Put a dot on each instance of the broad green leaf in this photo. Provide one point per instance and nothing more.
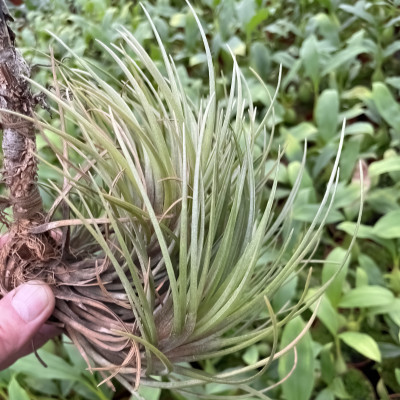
(302, 131)
(391, 49)
(394, 20)
(285, 293)
(326, 394)
(358, 10)
(5, 376)
(397, 374)
(192, 33)
(384, 166)
(366, 296)
(50, 136)
(389, 350)
(74, 356)
(328, 27)
(394, 312)
(328, 369)
(300, 384)
(293, 149)
(367, 232)
(331, 265)
(237, 46)
(256, 20)
(326, 154)
(371, 269)
(293, 172)
(270, 169)
(57, 367)
(245, 10)
(326, 114)
(307, 212)
(362, 343)
(16, 392)
(148, 393)
(383, 200)
(339, 388)
(260, 59)
(364, 231)
(395, 316)
(162, 27)
(196, 59)
(143, 31)
(386, 308)
(44, 386)
(356, 92)
(283, 27)
(387, 106)
(284, 58)
(393, 81)
(327, 314)
(361, 277)
(250, 356)
(178, 20)
(388, 227)
(346, 195)
(259, 94)
(291, 74)
(343, 56)
(350, 156)
(359, 128)
(310, 58)
(210, 389)
(88, 393)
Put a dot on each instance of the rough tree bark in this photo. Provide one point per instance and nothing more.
(20, 165)
(24, 252)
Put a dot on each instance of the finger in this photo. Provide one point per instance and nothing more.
(22, 312)
(4, 239)
(45, 333)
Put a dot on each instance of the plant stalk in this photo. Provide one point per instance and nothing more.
(19, 144)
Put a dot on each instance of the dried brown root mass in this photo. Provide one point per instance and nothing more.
(91, 304)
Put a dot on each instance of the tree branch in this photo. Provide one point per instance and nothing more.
(19, 145)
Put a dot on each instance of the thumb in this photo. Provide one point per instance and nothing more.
(22, 313)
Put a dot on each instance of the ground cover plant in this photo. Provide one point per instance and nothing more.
(340, 59)
(176, 250)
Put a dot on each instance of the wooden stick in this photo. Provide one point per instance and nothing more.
(19, 144)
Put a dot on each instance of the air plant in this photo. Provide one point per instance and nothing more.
(165, 227)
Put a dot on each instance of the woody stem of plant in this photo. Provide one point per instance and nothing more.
(19, 144)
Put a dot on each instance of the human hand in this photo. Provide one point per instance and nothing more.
(23, 313)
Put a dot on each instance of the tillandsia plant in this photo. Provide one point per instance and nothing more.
(170, 247)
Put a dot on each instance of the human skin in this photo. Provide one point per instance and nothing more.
(23, 315)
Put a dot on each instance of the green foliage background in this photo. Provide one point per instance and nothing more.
(341, 59)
